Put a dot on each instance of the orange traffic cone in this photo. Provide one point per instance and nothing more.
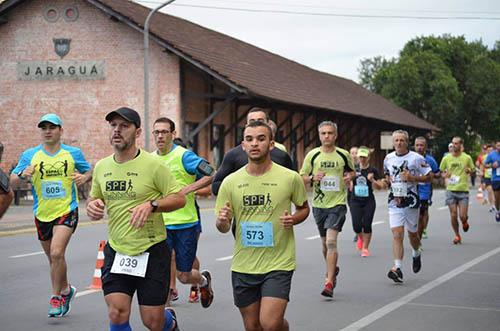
(96, 280)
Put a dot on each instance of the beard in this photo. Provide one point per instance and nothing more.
(124, 145)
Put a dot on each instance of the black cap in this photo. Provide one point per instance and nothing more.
(127, 114)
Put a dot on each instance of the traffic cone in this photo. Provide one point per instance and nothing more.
(96, 280)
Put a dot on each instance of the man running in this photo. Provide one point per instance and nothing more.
(425, 189)
(237, 158)
(493, 162)
(55, 206)
(328, 170)
(456, 166)
(183, 225)
(259, 196)
(134, 187)
(404, 169)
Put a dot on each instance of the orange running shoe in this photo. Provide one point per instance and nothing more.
(457, 240)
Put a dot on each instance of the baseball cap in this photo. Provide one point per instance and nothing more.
(364, 152)
(51, 118)
(127, 114)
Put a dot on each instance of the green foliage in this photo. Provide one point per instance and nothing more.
(445, 80)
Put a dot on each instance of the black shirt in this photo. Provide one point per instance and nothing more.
(237, 158)
(361, 179)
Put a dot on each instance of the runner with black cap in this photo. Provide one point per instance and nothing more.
(134, 187)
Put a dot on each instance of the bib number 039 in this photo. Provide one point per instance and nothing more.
(130, 265)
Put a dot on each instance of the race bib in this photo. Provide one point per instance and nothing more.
(330, 184)
(361, 191)
(454, 180)
(130, 265)
(399, 189)
(257, 234)
(53, 189)
(498, 171)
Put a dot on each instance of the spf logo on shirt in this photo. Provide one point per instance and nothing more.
(254, 200)
(119, 190)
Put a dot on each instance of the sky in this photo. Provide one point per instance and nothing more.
(334, 36)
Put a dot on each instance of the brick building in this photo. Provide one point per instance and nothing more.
(84, 58)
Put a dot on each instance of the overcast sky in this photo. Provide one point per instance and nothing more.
(327, 41)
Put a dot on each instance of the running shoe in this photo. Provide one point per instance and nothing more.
(396, 275)
(206, 292)
(55, 306)
(465, 226)
(417, 263)
(359, 243)
(424, 234)
(457, 240)
(174, 317)
(365, 252)
(174, 295)
(328, 290)
(66, 299)
(193, 294)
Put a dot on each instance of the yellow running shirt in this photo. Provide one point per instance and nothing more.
(123, 186)
(455, 166)
(262, 244)
(331, 191)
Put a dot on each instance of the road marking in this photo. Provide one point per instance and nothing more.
(24, 255)
(33, 229)
(369, 319)
(379, 222)
(313, 237)
(224, 258)
(443, 208)
(86, 292)
(454, 307)
(483, 273)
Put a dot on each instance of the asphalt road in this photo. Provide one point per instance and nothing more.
(457, 289)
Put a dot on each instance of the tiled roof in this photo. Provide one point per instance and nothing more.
(262, 73)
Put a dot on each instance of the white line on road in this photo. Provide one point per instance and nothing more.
(24, 255)
(453, 307)
(379, 222)
(224, 258)
(86, 292)
(443, 208)
(313, 237)
(369, 319)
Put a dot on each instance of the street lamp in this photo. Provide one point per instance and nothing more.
(146, 72)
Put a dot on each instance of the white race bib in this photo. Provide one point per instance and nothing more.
(399, 189)
(330, 184)
(130, 265)
(454, 180)
(498, 171)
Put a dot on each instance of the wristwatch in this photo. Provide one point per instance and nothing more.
(153, 204)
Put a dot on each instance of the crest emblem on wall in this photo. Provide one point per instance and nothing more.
(61, 46)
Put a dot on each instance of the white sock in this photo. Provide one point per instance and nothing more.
(415, 253)
(204, 281)
(398, 264)
(66, 291)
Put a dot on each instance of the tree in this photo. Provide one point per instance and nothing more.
(445, 80)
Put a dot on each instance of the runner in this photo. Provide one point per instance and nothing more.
(259, 196)
(6, 194)
(425, 189)
(353, 151)
(403, 170)
(55, 170)
(362, 201)
(134, 187)
(488, 173)
(493, 162)
(274, 129)
(329, 170)
(237, 158)
(184, 225)
(456, 167)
